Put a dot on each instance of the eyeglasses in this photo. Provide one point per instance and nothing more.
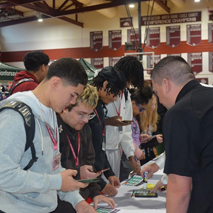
(89, 117)
(140, 108)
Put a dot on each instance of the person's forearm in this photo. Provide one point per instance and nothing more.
(176, 202)
(108, 121)
(178, 193)
(134, 165)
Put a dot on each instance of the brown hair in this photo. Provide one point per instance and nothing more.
(149, 117)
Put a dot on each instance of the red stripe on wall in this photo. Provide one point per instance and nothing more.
(86, 52)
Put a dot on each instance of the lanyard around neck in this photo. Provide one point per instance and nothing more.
(103, 130)
(76, 157)
(118, 111)
(54, 140)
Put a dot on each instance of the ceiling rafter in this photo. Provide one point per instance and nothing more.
(66, 7)
(21, 21)
(163, 5)
(97, 7)
(80, 24)
(36, 7)
(63, 4)
(6, 5)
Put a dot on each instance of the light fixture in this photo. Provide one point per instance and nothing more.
(197, 0)
(39, 15)
(131, 5)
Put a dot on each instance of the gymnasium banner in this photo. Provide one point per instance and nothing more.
(173, 35)
(133, 36)
(195, 62)
(193, 34)
(210, 33)
(211, 61)
(153, 37)
(126, 22)
(150, 59)
(113, 60)
(96, 40)
(176, 18)
(97, 62)
(115, 38)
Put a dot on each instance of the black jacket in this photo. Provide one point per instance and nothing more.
(101, 161)
(86, 157)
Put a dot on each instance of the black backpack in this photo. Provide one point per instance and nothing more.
(29, 123)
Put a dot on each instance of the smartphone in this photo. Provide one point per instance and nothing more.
(149, 139)
(149, 194)
(103, 170)
(94, 180)
(127, 121)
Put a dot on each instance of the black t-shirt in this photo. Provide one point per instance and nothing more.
(188, 137)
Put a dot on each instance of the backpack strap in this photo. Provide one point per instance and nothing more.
(15, 84)
(29, 123)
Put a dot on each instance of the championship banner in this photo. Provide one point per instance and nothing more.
(211, 61)
(153, 37)
(210, 15)
(126, 22)
(193, 34)
(115, 38)
(195, 62)
(203, 80)
(113, 60)
(210, 33)
(133, 36)
(157, 58)
(176, 18)
(96, 40)
(97, 62)
(173, 36)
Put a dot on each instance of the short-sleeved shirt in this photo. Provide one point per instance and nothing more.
(188, 137)
(135, 132)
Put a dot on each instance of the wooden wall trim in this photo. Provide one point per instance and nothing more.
(86, 52)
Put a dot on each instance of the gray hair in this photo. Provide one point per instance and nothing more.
(173, 68)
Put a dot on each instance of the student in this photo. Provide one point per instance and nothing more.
(188, 136)
(36, 64)
(148, 122)
(139, 99)
(35, 190)
(76, 146)
(109, 83)
(119, 133)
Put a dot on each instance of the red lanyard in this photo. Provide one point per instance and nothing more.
(103, 131)
(73, 152)
(147, 131)
(119, 109)
(52, 137)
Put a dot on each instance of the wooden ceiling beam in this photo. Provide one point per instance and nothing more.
(63, 4)
(80, 24)
(21, 21)
(21, 2)
(6, 5)
(163, 5)
(38, 8)
(97, 7)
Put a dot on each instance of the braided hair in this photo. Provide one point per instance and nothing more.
(132, 69)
